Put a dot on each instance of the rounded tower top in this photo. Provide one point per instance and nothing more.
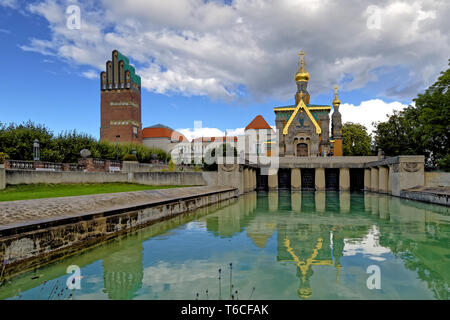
(302, 75)
(336, 101)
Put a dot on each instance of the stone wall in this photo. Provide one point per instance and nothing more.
(168, 178)
(437, 179)
(15, 177)
(2, 177)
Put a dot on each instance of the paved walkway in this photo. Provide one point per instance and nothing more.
(27, 211)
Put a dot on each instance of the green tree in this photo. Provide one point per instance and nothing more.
(421, 129)
(17, 142)
(355, 140)
(396, 136)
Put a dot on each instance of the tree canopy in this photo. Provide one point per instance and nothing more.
(16, 141)
(355, 140)
(422, 128)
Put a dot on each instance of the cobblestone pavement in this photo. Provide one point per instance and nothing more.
(26, 211)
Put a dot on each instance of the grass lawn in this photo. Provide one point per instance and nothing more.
(38, 191)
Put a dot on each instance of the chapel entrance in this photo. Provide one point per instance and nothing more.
(302, 150)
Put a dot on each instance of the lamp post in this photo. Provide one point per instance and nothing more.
(36, 150)
(117, 147)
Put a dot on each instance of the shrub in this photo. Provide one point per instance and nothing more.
(171, 165)
(3, 157)
(129, 157)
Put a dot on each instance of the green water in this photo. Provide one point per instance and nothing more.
(281, 246)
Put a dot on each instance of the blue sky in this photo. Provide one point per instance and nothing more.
(52, 75)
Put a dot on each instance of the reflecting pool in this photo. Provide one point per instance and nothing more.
(271, 245)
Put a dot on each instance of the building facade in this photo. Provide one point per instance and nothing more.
(304, 128)
(120, 89)
(162, 137)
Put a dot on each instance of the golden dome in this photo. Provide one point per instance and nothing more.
(336, 101)
(302, 74)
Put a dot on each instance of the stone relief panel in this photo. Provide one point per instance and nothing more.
(410, 167)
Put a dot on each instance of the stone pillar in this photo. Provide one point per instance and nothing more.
(253, 179)
(246, 180)
(389, 179)
(374, 179)
(273, 179)
(367, 183)
(383, 177)
(2, 177)
(296, 181)
(407, 172)
(320, 179)
(344, 179)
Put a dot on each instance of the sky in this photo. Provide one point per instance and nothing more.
(218, 62)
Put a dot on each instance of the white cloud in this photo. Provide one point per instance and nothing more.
(195, 47)
(90, 74)
(368, 112)
(9, 3)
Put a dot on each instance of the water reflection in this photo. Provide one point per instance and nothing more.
(318, 237)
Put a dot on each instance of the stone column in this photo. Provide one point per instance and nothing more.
(320, 179)
(389, 179)
(383, 177)
(374, 179)
(296, 181)
(246, 180)
(344, 179)
(253, 179)
(2, 177)
(367, 184)
(273, 179)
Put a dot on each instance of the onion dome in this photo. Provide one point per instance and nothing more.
(302, 74)
(336, 101)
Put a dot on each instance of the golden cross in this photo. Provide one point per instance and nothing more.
(301, 54)
(336, 88)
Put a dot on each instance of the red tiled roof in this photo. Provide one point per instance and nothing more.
(258, 123)
(163, 132)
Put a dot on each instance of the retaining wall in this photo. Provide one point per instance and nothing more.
(437, 179)
(15, 177)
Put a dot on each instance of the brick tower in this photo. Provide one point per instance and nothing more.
(120, 101)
